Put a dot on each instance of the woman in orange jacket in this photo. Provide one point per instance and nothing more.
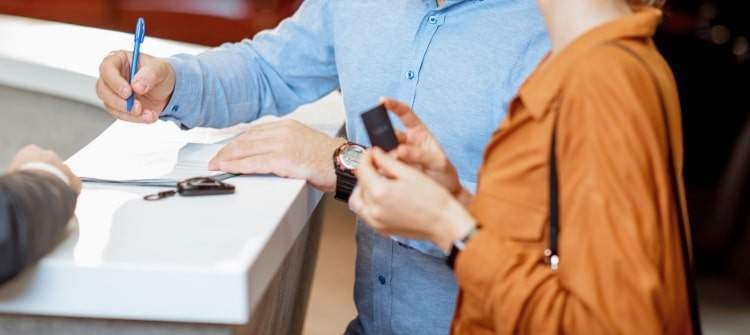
(578, 224)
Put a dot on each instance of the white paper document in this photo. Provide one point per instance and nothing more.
(161, 154)
(191, 162)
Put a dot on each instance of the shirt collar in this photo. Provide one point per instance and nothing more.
(447, 4)
(544, 85)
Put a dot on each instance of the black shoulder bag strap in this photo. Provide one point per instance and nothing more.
(551, 253)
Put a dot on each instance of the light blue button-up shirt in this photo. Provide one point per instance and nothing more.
(458, 66)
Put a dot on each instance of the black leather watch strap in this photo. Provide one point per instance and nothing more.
(345, 178)
(345, 183)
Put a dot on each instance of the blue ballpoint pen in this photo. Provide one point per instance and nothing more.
(140, 34)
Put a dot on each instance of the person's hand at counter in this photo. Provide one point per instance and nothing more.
(398, 199)
(153, 86)
(286, 148)
(37, 199)
(44, 162)
(419, 148)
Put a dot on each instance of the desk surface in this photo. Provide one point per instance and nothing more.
(205, 260)
(66, 56)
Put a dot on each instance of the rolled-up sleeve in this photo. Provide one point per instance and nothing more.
(272, 74)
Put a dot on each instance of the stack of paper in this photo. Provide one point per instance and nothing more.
(161, 155)
(191, 162)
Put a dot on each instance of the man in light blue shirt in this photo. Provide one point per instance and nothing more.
(458, 63)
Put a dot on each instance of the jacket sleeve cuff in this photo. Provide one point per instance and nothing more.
(184, 107)
(48, 168)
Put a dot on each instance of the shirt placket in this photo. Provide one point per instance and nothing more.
(410, 73)
(383, 253)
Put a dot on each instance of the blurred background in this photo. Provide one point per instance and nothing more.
(705, 41)
(207, 22)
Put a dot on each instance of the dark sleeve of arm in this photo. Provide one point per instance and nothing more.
(34, 210)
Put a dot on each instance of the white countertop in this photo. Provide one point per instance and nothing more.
(61, 59)
(206, 259)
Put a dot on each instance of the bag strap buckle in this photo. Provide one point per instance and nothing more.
(551, 259)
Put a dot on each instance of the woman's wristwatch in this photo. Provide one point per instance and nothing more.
(346, 159)
(457, 246)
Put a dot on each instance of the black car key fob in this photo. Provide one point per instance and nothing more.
(203, 186)
(195, 187)
(379, 128)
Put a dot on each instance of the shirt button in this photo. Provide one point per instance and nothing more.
(411, 75)
(381, 279)
(432, 19)
(175, 108)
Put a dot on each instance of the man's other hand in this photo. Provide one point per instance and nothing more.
(153, 86)
(286, 148)
(33, 154)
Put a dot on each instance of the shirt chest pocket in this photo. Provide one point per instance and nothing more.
(516, 219)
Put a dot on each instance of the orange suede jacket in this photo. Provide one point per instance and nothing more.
(621, 269)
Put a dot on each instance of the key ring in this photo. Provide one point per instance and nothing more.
(198, 186)
(159, 196)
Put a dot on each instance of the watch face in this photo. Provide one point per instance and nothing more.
(350, 156)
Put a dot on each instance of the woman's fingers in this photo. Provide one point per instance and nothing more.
(366, 209)
(356, 203)
(374, 171)
(373, 184)
(366, 172)
(390, 166)
(359, 205)
(401, 136)
(404, 113)
(411, 155)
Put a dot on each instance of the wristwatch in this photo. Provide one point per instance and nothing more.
(459, 245)
(346, 159)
